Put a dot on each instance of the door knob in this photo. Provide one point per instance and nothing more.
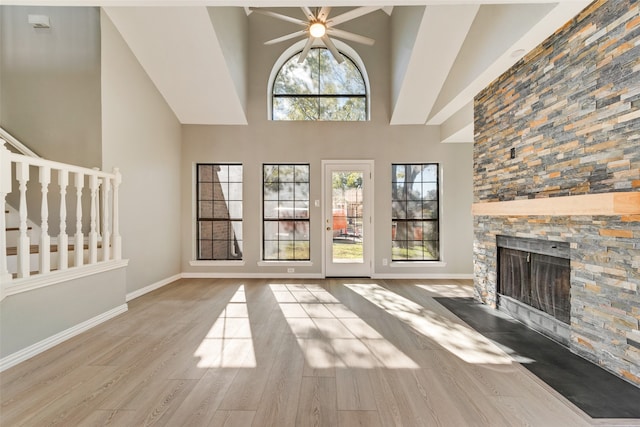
(328, 228)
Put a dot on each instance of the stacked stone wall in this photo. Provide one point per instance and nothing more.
(571, 111)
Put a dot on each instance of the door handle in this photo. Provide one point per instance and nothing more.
(328, 228)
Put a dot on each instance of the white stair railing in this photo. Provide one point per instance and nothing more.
(19, 146)
(102, 191)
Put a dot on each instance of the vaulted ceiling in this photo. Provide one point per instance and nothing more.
(442, 52)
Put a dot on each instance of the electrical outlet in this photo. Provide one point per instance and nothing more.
(385, 261)
(291, 270)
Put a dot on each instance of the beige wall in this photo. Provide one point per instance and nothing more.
(264, 141)
(50, 82)
(35, 317)
(50, 93)
(141, 136)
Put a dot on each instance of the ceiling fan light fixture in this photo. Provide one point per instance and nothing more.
(317, 29)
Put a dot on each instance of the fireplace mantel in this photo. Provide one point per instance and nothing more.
(615, 203)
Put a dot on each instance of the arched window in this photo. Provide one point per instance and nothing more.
(319, 88)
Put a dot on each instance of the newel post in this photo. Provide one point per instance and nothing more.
(5, 188)
(117, 239)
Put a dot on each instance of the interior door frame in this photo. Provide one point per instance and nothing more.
(368, 209)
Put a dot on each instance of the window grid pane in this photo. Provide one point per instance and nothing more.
(319, 89)
(219, 201)
(415, 212)
(285, 212)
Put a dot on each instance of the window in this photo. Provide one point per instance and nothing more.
(285, 212)
(414, 212)
(319, 89)
(219, 211)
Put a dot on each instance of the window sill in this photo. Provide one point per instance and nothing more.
(221, 263)
(285, 264)
(420, 264)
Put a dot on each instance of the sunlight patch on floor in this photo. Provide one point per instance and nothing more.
(330, 335)
(229, 343)
(458, 339)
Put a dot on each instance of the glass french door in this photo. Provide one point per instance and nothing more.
(347, 218)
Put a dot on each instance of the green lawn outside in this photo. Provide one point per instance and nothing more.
(347, 250)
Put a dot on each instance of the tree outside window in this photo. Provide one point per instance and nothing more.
(285, 212)
(415, 212)
(319, 89)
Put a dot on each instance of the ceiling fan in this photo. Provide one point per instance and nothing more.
(320, 26)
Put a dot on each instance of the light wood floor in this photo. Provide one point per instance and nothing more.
(226, 352)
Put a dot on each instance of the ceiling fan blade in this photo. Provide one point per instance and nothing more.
(352, 14)
(350, 36)
(279, 16)
(308, 13)
(305, 51)
(323, 14)
(333, 49)
(287, 37)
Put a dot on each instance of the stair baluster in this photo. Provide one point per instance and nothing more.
(93, 231)
(45, 239)
(63, 239)
(22, 175)
(106, 234)
(5, 188)
(79, 237)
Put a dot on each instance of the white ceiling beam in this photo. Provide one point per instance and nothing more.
(180, 51)
(497, 32)
(430, 60)
(459, 127)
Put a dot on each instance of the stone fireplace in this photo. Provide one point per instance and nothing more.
(570, 113)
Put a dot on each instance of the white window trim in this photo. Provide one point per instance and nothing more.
(297, 47)
(285, 264)
(217, 263)
(277, 262)
(420, 264)
(428, 264)
(195, 262)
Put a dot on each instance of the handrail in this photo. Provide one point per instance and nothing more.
(99, 189)
(39, 161)
(12, 141)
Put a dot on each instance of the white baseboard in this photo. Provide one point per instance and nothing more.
(210, 275)
(423, 276)
(251, 276)
(37, 348)
(152, 287)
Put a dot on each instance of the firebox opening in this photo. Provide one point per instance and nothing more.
(534, 284)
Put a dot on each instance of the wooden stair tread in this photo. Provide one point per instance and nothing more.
(17, 228)
(34, 249)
